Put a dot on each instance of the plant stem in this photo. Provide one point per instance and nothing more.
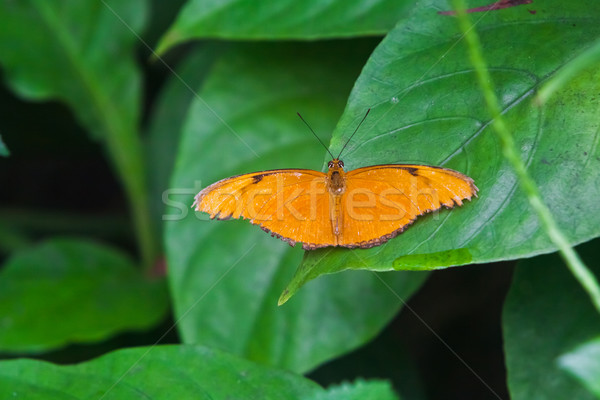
(575, 264)
(125, 147)
(117, 127)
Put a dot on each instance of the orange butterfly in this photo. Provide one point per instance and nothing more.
(363, 208)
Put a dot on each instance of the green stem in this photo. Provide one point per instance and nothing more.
(125, 148)
(577, 267)
(120, 135)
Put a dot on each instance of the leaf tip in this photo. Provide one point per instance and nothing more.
(285, 296)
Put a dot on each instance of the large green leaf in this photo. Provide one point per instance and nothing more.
(161, 372)
(167, 118)
(584, 364)
(71, 290)
(426, 108)
(81, 52)
(226, 275)
(283, 19)
(545, 315)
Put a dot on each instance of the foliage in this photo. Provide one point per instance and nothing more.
(70, 276)
(546, 314)
(219, 108)
(583, 364)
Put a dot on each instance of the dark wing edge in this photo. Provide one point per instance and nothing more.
(412, 169)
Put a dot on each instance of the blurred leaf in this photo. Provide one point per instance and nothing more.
(160, 372)
(162, 15)
(226, 275)
(426, 108)
(167, 118)
(12, 239)
(73, 291)
(3, 149)
(584, 364)
(81, 52)
(545, 315)
(284, 19)
(73, 45)
(359, 390)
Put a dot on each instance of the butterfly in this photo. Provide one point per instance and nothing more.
(362, 208)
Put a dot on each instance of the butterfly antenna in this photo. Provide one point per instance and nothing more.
(313, 132)
(356, 130)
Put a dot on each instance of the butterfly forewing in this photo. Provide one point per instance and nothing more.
(291, 204)
(382, 200)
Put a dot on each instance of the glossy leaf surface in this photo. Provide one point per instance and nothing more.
(427, 108)
(161, 372)
(284, 19)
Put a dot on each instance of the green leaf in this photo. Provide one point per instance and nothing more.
(584, 364)
(167, 118)
(426, 108)
(226, 276)
(3, 149)
(74, 45)
(160, 372)
(586, 59)
(284, 19)
(545, 315)
(359, 390)
(162, 14)
(81, 53)
(73, 291)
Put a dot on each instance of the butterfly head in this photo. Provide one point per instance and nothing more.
(336, 164)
